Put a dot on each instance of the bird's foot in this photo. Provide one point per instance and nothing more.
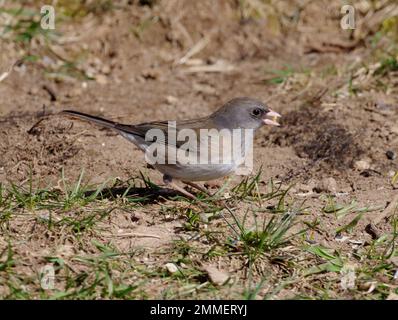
(214, 184)
(198, 187)
(169, 181)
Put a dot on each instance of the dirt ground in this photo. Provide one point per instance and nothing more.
(335, 89)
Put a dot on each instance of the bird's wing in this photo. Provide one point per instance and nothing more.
(164, 132)
(160, 132)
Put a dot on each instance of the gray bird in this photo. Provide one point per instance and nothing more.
(209, 137)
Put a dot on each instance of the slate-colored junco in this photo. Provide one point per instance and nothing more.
(239, 114)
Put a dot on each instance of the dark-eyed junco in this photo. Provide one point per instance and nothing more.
(198, 149)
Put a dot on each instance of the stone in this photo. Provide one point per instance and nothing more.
(391, 155)
(171, 100)
(327, 185)
(171, 267)
(101, 79)
(216, 276)
(362, 165)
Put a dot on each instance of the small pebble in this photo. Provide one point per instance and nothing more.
(101, 79)
(171, 267)
(391, 155)
(362, 165)
(327, 185)
(390, 173)
(171, 100)
(216, 276)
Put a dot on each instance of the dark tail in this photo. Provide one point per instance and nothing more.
(100, 121)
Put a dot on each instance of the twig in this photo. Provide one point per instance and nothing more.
(51, 92)
(199, 46)
(136, 235)
(32, 130)
(219, 66)
(4, 75)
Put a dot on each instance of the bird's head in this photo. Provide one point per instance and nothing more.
(245, 113)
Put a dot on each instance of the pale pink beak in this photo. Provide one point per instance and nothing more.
(274, 117)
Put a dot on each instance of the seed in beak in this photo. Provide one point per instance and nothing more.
(274, 118)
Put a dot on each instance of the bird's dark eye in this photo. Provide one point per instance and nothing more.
(257, 112)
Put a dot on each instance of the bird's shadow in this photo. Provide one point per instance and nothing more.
(142, 195)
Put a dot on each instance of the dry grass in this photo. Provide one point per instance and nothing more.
(269, 252)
